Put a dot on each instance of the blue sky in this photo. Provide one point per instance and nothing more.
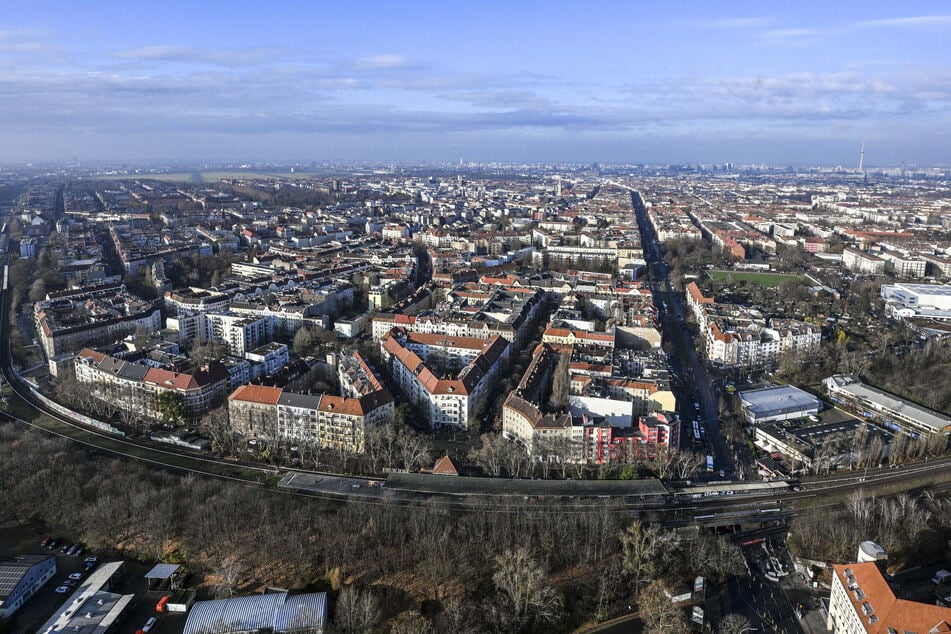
(781, 83)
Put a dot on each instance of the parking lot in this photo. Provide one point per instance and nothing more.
(24, 540)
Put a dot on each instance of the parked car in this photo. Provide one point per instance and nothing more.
(160, 606)
(46, 542)
(90, 562)
(80, 550)
(62, 590)
(76, 576)
(53, 544)
(72, 549)
(66, 547)
(70, 583)
(149, 624)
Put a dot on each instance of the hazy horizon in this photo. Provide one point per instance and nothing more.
(521, 82)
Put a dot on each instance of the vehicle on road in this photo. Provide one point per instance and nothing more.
(62, 589)
(941, 577)
(76, 576)
(149, 624)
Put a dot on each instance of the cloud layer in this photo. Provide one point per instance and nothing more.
(148, 98)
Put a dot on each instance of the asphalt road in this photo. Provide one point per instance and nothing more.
(698, 383)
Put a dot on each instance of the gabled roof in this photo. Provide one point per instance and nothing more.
(444, 466)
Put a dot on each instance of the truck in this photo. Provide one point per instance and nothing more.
(941, 577)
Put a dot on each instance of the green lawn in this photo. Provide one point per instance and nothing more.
(755, 277)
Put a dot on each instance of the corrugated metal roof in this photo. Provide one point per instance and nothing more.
(277, 612)
(162, 571)
(301, 611)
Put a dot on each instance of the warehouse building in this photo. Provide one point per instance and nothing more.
(276, 613)
(773, 404)
(92, 607)
(21, 578)
(884, 408)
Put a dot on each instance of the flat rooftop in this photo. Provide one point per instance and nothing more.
(780, 399)
(888, 402)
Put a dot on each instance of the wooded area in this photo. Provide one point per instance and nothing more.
(514, 569)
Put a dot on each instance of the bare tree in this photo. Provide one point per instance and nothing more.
(491, 455)
(357, 611)
(525, 595)
(608, 582)
(685, 463)
(641, 545)
(659, 614)
(216, 424)
(457, 616)
(734, 624)
(413, 623)
(229, 571)
(414, 449)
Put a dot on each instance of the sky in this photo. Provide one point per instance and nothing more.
(784, 83)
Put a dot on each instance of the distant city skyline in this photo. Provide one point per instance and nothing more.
(791, 83)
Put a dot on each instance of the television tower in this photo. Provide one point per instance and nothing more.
(862, 156)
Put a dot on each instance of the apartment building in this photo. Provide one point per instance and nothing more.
(252, 410)
(268, 359)
(69, 320)
(735, 336)
(454, 384)
(192, 301)
(583, 431)
(473, 311)
(902, 263)
(861, 600)
(862, 262)
(241, 333)
(140, 388)
(570, 337)
(659, 430)
(324, 420)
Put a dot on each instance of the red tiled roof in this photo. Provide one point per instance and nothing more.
(444, 466)
(263, 394)
(97, 357)
(170, 380)
(892, 612)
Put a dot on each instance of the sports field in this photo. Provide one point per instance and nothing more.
(762, 278)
